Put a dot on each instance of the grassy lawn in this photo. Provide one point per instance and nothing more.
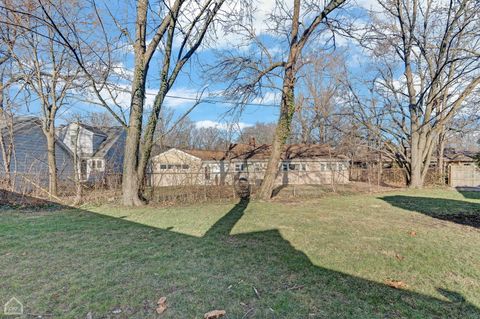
(324, 258)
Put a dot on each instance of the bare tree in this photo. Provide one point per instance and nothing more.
(427, 54)
(97, 119)
(7, 78)
(262, 132)
(172, 132)
(46, 69)
(176, 30)
(209, 138)
(6, 128)
(321, 116)
(297, 26)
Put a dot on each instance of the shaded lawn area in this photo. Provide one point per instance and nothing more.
(324, 258)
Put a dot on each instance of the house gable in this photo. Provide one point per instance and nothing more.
(75, 136)
(175, 156)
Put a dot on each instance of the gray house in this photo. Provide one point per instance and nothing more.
(99, 149)
(29, 165)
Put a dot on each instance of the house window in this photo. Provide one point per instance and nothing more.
(83, 169)
(174, 166)
(331, 167)
(96, 164)
(207, 172)
(293, 167)
(239, 167)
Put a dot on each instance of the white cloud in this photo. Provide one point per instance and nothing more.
(176, 98)
(369, 4)
(268, 98)
(182, 96)
(220, 125)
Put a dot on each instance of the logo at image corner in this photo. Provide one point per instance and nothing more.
(13, 307)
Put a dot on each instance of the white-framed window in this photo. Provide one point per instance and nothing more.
(96, 164)
(293, 167)
(174, 166)
(331, 167)
(239, 167)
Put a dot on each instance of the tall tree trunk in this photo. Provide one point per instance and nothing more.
(5, 149)
(130, 182)
(440, 155)
(148, 138)
(52, 164)
(282, 132)
(415, 180)
(77, 174)
(287, 108)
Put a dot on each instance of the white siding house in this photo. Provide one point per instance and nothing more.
(301, 164)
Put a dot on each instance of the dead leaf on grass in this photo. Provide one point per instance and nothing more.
(397, 284)
(162, 305)
(215, 314)
(399, 257)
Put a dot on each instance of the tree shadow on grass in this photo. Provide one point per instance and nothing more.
(469, 192)
(456, 211)
(71, 263)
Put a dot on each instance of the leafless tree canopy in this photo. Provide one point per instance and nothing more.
(426, 54)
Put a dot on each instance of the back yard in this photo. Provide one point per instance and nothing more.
(335, 257)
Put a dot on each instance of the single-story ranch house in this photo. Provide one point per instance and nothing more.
(301, 164)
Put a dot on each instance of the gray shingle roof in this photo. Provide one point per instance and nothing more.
(112, 135)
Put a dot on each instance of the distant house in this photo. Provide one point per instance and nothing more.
(301, 164)
(459, 167)
(462, 169)
(29, 165)
(99, 149)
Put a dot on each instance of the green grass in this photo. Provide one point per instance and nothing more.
(324, 258)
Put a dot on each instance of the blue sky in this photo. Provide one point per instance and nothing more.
(192, 80)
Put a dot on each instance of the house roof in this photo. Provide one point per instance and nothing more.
(262, 152)
(366, 154)
(460, 156)
(112, 135)
(94, 129)
(26, 123)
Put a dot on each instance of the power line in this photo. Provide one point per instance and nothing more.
(213, 101)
